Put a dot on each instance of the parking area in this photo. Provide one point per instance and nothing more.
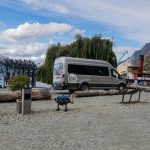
(91, 123)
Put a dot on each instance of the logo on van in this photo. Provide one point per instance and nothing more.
(72, 78)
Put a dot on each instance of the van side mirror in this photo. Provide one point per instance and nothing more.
(119, 77)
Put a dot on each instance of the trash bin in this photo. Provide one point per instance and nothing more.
(26, 100)
(19, 106)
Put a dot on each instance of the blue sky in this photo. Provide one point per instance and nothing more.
(28, 27)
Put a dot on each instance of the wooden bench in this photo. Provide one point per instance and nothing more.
(131, 91)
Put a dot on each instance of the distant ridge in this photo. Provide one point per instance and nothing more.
(133, 60)
(145, 50)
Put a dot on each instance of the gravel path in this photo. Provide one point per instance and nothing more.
(96, 123)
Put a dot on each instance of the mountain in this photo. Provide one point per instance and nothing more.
(145, 50)
(133, 60)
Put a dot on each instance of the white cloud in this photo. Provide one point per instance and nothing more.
(78, 31)
(30, 40)
(34, 31)
(22, 49)
(47, 5)
(129, 18)
(33, 51)
(121, 52)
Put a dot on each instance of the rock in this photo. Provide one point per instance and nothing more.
(37, 94)
(41, 93)
(86, 94)
(104, 93)
(8, 97)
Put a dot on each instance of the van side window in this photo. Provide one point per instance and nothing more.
(79, 69)
(88, 70)
(101, 71)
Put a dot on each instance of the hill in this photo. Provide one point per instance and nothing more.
(133, 60)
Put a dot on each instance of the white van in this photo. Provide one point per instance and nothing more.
(83, 74)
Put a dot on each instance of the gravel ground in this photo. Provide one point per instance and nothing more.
(95, 123)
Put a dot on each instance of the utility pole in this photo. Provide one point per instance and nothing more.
(123, 54)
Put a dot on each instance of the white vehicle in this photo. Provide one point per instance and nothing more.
(83, 74)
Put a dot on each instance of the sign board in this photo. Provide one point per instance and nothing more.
(72, 78)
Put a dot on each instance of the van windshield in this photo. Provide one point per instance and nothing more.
(58, 68)
(114, 73)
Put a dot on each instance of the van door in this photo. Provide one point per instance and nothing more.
(101, 77)
(114, 78)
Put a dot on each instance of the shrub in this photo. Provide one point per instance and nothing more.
(18, 82)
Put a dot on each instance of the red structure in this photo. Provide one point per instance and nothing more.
(140, 65)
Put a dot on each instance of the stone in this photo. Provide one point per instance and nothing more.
(41, 93)
(8, 97)
(37, 94)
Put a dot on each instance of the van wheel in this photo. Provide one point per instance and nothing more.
(121, 87)
(84, 87)
(71, 91)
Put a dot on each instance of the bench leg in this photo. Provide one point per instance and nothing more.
(139, 95)
(130, 98)
(122, 98)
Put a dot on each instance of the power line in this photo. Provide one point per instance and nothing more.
(123, 54)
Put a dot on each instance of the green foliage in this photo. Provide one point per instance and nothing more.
(41, 73)
(82, 47)
(51, 55)
(18, 82)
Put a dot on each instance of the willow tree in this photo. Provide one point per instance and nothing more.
(86, 48)
(77, 46)
(41, 74)
(94, 48)
(51, 55)
(65, 51)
